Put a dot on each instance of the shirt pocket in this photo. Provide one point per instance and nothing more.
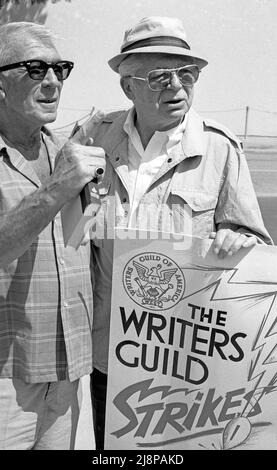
(192, 212)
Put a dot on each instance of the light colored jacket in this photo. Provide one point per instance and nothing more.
(206, 173)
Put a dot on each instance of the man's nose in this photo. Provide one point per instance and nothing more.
(50, 78)
(175, 82)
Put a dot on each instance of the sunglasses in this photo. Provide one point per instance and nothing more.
(37, 69)
(160, 79)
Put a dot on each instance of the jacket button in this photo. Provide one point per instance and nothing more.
(124, 199)
(117, 158)
(169, 160)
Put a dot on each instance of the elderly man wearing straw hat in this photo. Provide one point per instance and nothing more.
(163, 162)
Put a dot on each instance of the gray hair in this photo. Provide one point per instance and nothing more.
(12, 33)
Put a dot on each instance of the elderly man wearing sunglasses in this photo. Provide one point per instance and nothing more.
(167, 168)
(45, 287)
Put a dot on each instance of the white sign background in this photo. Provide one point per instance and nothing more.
(193, 346)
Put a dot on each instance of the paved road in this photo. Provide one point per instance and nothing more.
(268, 207)
(263, 169)
(85, 436)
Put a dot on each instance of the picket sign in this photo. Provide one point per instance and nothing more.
(193, 346)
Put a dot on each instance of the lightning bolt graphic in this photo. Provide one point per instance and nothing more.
(264, 355)
(230, 285)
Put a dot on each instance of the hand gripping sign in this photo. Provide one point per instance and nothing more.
(194, 342)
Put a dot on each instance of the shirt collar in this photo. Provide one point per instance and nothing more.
(171, 137)
(24, 166)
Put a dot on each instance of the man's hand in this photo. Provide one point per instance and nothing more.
(76, 165)
(227, 242)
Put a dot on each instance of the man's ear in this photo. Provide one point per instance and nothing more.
(127, 88)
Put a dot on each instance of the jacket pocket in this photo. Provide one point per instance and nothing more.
(192, 211)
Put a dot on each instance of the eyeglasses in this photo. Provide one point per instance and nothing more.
(37, 69)
(160, 79)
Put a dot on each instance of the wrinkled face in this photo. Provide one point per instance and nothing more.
(34, 102)
(164, 108)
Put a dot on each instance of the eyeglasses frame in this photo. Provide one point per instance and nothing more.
(172, 71)
(26, 64)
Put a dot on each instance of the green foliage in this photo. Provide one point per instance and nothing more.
(25, 10)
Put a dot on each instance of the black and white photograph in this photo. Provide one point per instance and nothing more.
(138, 224)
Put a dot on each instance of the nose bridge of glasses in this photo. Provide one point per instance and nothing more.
(51, 73)
(56, 70)
(174, 77)
(185, 75)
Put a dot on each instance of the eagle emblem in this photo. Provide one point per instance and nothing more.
(154, 281)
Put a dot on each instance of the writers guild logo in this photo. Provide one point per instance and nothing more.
(154, 281)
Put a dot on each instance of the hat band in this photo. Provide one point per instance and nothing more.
(156, 41)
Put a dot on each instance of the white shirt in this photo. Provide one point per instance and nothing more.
(144, 164)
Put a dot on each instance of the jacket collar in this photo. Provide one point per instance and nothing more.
(193, 142)
(194, 139)
(117, 137)
(191, 145)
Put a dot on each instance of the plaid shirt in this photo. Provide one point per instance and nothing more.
(46, 294)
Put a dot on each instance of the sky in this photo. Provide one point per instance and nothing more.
(237, 37)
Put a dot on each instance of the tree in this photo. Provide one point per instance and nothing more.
(24, 10)
(32, 2)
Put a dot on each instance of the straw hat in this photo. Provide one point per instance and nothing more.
(156, 34)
